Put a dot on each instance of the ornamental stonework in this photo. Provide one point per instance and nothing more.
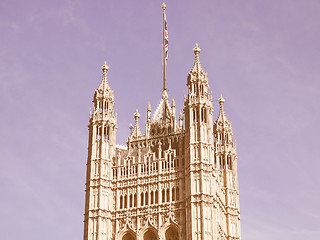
(175, 180)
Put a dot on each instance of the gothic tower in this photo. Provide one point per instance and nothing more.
(225, 158)
(101, 152)
(176, 181)
(199, 154)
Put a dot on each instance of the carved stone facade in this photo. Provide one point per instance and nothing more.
(177, 181)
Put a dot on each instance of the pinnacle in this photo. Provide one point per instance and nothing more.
(180, 115)
(105, 67)
(173, 102)
(221, 100)
(136, 114)
(104, 85)
(136, 130)
(222, 116)
(196, 49)
(197, 68)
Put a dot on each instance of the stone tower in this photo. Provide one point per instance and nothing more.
(199, 154)
(101, 151)
(176, 181)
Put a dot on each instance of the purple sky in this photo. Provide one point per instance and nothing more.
(263, 56)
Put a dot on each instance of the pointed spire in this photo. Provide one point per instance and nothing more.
(173, 104)
(180, 115)
(222, 116)
(104, 85)
(136, 129)
(181, 119)
(149, 107)
(222, 123)
(197, 66)
(221, 101)
(197, 73)
(104, 98)
(149, 112)
(225, 148)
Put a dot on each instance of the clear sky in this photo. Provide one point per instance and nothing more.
(263, 56)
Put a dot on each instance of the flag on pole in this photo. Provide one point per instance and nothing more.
(165, 48)
(165, 40)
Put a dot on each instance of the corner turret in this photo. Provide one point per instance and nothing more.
(101, 155)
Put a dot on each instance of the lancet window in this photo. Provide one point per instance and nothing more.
(177, 194)
(203, 115)
(142, 199)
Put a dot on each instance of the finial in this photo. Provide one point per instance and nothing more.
(136, 114)
(180, 115)
(221, 100)
(164, 6)
(173, 102)
(149, 107)
(196, 49)
(105, 67)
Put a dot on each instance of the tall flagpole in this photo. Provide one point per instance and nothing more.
(164, 47)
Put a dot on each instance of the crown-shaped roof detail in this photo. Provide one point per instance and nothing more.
(222, 123)
(197, 68)
(104, 85)
(136, 133)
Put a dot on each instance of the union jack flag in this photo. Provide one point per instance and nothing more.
(165, 40)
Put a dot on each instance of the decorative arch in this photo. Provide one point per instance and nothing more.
(150, 235)
(171, 230)
(172, 234)
(148, 232)
(128, 236)
(127, 233)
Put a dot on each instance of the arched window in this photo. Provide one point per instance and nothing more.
(121, 202)
(150, 235)
(96, 168)
(163, 195)
(173, 194)
(131, 200)
(152, 197)
(142, 198)
(147, 198)
(177, 194)
(156, 197)
(172, 234)
(128, 236)
(125, 201)
(222, 164)
(135, 200)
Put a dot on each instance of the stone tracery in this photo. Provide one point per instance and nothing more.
(174, 182)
